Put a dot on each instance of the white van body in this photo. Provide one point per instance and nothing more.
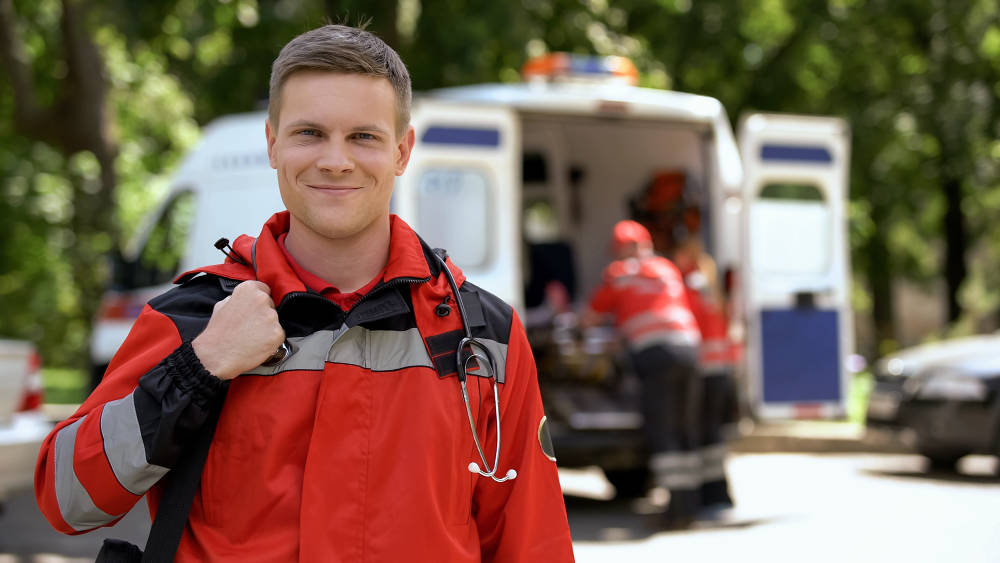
(590, 148)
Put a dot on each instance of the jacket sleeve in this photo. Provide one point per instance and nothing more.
(97, 464)
(604, 299)
(523, 519)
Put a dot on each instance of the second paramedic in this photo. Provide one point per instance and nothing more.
(645, 295)
(716, 363)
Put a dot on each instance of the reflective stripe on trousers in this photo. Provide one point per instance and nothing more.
(676, 470)
(713, 462)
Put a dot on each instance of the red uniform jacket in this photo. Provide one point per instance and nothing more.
(354, 448)
(717, 351)
(647, 298)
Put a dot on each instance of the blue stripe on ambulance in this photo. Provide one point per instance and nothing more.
(795, 153)
(461, 136)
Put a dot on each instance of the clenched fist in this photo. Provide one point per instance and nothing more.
(242, 333)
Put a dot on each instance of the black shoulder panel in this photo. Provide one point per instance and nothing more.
(497, 315)
(189, 305)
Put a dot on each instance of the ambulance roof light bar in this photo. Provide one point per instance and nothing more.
(579, 68)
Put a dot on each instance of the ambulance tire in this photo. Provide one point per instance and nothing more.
(943, 460)
(629, 483)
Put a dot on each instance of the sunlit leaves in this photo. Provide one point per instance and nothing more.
(766, 23)
(990, 45)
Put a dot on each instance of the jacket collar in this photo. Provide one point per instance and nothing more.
(410, 259)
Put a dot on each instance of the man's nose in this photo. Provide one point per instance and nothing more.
(336, 158)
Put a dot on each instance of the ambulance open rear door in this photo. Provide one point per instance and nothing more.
(462, 187)
(796, 272)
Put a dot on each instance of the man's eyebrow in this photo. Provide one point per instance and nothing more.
(369, 128)
(304, 123)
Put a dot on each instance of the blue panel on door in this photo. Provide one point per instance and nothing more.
(801, 355)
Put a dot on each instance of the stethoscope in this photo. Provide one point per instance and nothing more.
(477, 351)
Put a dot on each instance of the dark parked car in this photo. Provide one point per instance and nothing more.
(943, 398)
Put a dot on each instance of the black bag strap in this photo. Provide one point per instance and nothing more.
(183, 482)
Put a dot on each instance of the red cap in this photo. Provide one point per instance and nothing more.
(629, 231)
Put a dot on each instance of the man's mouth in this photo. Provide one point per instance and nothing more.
(331, 188)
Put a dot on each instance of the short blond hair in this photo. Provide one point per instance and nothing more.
(346, 50)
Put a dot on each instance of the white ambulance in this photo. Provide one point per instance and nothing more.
(522, 184)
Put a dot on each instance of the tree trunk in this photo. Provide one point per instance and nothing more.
(956, 242)
(880, 279)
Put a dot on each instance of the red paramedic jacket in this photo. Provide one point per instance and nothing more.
(717, 352)
(354, 448)
(648, 301)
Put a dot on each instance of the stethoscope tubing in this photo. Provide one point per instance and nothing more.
(461, 367)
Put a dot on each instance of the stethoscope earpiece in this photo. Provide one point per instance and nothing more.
(474, 468)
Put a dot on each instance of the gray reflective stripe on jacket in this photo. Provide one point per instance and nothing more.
(125, 452)
(124, 447)
(377, 350)
(499, 353)
(75, 504)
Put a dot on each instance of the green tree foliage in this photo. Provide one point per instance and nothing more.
(65, 206)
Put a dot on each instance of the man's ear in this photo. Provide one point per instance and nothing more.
(404, 149)
(272, 136)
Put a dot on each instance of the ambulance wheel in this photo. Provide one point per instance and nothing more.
(629, 483)
(943, 460)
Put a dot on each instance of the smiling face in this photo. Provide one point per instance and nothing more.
(337, 153)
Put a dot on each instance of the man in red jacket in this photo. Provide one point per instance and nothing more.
(645, 295)
(355, 445)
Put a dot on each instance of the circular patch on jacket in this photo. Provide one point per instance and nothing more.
(545, 440)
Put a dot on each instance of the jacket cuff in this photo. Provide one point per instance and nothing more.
(191, 377)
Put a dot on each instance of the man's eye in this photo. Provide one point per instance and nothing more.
(308, 132)
(365, 136)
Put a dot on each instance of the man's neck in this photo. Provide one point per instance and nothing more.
(348, 264)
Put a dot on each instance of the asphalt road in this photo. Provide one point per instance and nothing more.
(817, 508)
